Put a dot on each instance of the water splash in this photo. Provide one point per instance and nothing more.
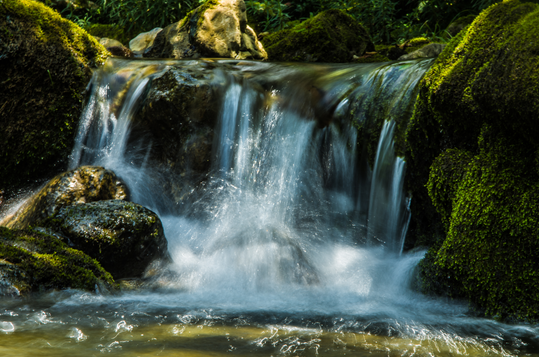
(289, 180)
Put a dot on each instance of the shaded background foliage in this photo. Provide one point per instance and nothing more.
(388, 21)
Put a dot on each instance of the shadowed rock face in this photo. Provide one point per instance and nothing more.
(83, 185)
(123, 236)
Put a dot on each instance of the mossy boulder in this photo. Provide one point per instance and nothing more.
(486, 74)
(330, 36)
(490, 204)
(477, 107)
(46, 64)
(123, 236)
(82, 185)
(32, 261)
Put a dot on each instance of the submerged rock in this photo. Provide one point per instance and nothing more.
(83, 185)
(331, 36)
(480, 99)
(123, 236)
(216, 29)
(34, 261)
(46, 64)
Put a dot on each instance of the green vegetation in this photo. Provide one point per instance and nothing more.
(41, 261)
(46, 63)
(388, 21)
(490, 205)
(338, 38)
(471, 151)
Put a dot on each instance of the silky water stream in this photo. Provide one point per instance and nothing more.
(290, 244)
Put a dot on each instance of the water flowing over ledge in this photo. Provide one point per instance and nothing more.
(292, 233)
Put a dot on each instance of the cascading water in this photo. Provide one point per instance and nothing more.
(266, 217)
(291, 241)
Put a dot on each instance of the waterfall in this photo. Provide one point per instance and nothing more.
(289, 199)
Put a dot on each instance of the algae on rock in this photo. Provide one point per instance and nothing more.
(32, 261)
(46, 63)
(330, 36)
(477, 108)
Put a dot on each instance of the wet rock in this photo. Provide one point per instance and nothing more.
(82, 185)
(216, 29)
(331, 36)
(34, 261)
(180, 113)
(123, 236)
(46, 62)
(429, 51)
(144, 42)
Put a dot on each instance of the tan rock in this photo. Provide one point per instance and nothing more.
(212, 30)
(83, 185)
(143, 42)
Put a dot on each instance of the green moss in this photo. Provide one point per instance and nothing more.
(417, 42)
(490, 251)
(488, 73)
(446, 173)
(48, 263)
(331, 36)
(46, 63)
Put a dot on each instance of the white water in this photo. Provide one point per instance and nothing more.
(292, 231)
(266, 222)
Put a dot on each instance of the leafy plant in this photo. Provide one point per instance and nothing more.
(271, 14)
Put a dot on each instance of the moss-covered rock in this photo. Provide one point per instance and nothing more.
(331, 36)
(123, 236)
(486, 74)
(34, 261)
(477, 109)
(491, 205)
(46, 63)
(83, 185)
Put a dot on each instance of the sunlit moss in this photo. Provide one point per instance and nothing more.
(46, 63)
(477, 107)
(47, 263)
